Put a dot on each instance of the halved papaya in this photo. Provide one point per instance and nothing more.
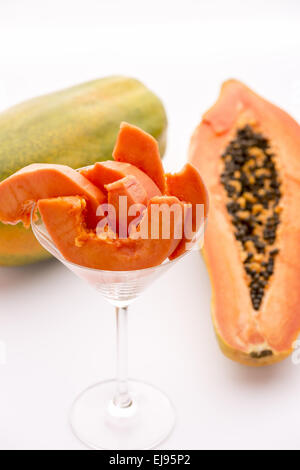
(139, 148)
(103, 173)
(40, 181)
(129, 188)
(188, 186)
(65, 221)
(247, 151)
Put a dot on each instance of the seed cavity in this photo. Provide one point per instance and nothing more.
(252, 184)
(260, 355)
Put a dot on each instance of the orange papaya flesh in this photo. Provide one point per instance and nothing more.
(247, 151)
(188, 186)
(139, 148)
(164, 218)
(39, 181)
(65, 221)
(129, 188)
(103, 173)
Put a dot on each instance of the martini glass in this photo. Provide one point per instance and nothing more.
(119, 413)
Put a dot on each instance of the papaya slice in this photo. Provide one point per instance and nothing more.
(103, 173)
(139, 148)
(40, 181)
(135, 195)
(188, 186)
(65, 221)
(247, 151)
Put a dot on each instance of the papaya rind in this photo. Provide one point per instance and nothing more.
(18, 246)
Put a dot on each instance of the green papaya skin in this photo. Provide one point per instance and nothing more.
(76, 127)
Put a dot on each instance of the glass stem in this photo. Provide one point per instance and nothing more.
(122, 398)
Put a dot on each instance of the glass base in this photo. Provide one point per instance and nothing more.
(100, 424)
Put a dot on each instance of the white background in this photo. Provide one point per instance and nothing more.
(59, 333)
